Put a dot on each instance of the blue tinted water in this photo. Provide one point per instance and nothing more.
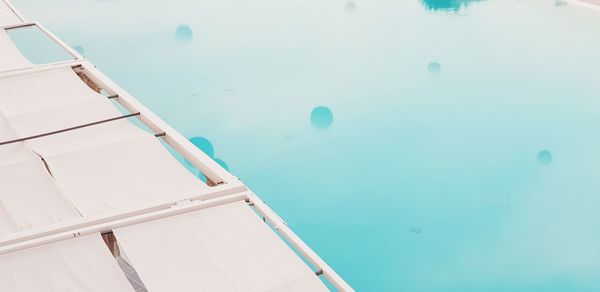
(79, 50)
(36, 46)
(475, 174)
(447, 5)
(204, 144)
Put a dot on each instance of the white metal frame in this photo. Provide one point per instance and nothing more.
(90, 225)
(228, 188)
(76, 56)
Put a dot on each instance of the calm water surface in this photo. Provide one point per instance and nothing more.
(435, 145)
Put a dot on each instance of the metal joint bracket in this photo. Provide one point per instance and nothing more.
(182, 203)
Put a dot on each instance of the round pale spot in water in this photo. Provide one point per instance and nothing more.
(183, 33)
(321, 117)
(222, 163)
(79, 50)
(350, 7)
(544, 157)
(434, 68)
(204, 144)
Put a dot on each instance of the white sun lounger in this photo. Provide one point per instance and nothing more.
(100, 173)
(223, 248)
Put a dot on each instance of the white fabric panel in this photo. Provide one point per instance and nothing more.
(223, 248)
(107, 166)
(7, 225)
(27, 192)
(51, 100)
(62, 118)
(121, 175)
(74, 265)
(89, 137)
(7, 16)
(10, 57)
(43, 90)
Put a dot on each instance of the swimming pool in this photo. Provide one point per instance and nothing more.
(416, 146)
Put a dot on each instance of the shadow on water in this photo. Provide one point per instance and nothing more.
(447, 5)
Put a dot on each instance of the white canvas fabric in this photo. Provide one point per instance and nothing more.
(7, 225)
(50, 100)
(119, 175)
(28, 195)
(114, 165)
(48, 89)
(74, 265)
(28, 192)
(223, 248)
(10, 57)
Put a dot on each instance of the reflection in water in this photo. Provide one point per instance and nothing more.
(560, 3)
(183, 33)
(204, 144)
(545, 157)
(321, 117)
(447, 5)
(350, 7)
(416, 230)
(434, 68)
(222, 163)
(79, 50)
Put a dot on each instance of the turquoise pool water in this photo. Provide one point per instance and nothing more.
(440, 145)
